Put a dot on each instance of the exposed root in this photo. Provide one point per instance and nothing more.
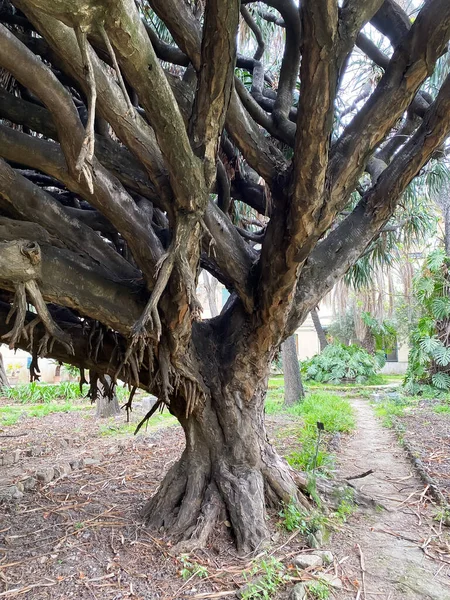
(84, 161)
(112, 55)
(209, 516)
(160, 511)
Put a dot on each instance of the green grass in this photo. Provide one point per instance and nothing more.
(334, 411)
(10, 414)
(443, 409)
(41, 393)
(389, 408)
(111, 428)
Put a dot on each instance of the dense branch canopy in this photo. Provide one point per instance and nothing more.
(143, 141)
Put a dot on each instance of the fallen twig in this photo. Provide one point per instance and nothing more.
(363, 570)
(365, 474)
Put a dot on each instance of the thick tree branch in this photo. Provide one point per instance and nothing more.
(123, 213)
(332, 258)
(33, 204)
(215, 80)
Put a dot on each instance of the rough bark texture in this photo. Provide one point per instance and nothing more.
(293, 387)
(125, 162)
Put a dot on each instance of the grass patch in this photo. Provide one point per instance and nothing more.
(388, 408)
(443, 409)
(44, 393)
(10, 414)
(111, 428)
(334, 411)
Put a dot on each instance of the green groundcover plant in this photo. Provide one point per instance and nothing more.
(339, 363)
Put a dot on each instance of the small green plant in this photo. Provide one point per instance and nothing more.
(191, 569)
(308, 523)
(346, 506)
(338, 363)
(318, 590)
(292, 517)
(265, 586)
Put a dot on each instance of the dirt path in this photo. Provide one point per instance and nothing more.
(396, 566)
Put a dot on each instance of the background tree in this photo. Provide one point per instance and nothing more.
(293, 387)
(107, 208)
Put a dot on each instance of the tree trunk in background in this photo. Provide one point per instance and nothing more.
(106, 407)
(211, 287)
(293, 388)
(3, 378)
(446, 211)
(368, 342)
(319, 329)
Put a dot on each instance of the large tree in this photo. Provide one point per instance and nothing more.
(124, 150)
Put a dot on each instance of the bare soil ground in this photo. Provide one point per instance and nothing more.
(405, 553)
(428, 434)
(81, 536)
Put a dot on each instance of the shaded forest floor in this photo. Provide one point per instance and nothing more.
(80, 536)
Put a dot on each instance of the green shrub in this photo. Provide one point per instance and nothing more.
(429, 356)
(338, 363)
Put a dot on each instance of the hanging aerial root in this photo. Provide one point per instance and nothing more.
(19, 306)
(52, 329)
(112, 55)
(150, 315)
(84, 161)
(128, 406)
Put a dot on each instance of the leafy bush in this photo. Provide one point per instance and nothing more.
(338, 363)
(429, 356)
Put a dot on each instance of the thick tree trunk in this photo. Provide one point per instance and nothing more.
(319, 329)
(3, 377)
(228, 467)
(106, 407)
(293, 388)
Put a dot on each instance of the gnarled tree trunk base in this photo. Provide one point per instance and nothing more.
(197, 494)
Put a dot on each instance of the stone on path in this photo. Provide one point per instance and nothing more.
(306, 561)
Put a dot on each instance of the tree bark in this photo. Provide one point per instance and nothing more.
(3, 377)
(319, 329)
(228, 466)
(106, 406)
(293, 387)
